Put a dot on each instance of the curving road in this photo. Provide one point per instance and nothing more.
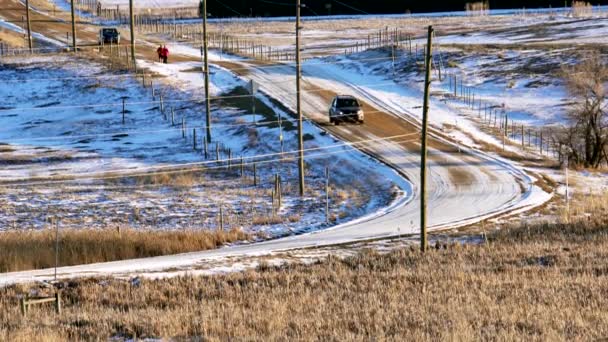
(466, 186)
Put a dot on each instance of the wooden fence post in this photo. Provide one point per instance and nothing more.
(23, 305)
(255, 175)
(184, 127)
(279, 191)
(327, 195)
(221, 217)
(242, 167)
(541, 143)
(194, 139)
(206, 146)
(58, 302)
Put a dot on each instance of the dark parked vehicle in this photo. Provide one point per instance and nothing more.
(345, 108)
(109, 35)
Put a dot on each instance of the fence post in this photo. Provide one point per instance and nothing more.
(206, 147)
(242, 167)
(255, 175)
(184, 127)
(194, 139)
(541, 143)
(23, 305)
(327, 195)
(58, 302)
(279, 192)
(221, 217)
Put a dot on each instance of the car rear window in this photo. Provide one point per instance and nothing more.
(347, 103)
(109, 31)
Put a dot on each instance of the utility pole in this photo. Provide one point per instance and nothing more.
(423, 151)
(299, 100)
(73, 25)
(206, 66)
(56, 246)
(506, 131)
(568, 184)
(29, 30)
(132, 24)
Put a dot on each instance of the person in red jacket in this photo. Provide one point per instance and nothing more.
(159, 51)
(165, 54)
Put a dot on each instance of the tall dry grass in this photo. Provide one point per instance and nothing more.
(581, 9)
(534, 282)
(24, 250)
(477, 8)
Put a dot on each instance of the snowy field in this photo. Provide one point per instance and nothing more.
(68, 125)
(513, 60)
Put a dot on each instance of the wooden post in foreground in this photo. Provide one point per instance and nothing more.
(423, 151)
(73, 25)
(29, 29)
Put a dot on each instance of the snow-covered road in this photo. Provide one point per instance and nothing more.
(466, 186)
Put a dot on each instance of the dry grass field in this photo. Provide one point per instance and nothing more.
(540, 282)
(25, 250)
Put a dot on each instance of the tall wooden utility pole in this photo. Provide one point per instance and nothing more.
(132, 27)
(206, 66)
(299, 100)
(29, 30)
(73, 25)
(423, 151)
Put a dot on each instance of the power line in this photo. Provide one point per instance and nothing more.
(196, 166)
(279, 65)
(351, 7)
(136, 132)
(276, 3)
(201, 100)
(270, 161)
(230, 8)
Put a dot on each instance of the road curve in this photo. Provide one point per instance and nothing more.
(466, 186)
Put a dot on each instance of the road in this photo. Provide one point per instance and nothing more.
(466, 186)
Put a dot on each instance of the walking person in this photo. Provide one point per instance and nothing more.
(165, 54)
(159, 51)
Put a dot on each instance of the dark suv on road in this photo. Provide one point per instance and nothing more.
(345, 108)
(109, 35)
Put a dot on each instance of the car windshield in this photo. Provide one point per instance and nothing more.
(109, 31)
(347, 103)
